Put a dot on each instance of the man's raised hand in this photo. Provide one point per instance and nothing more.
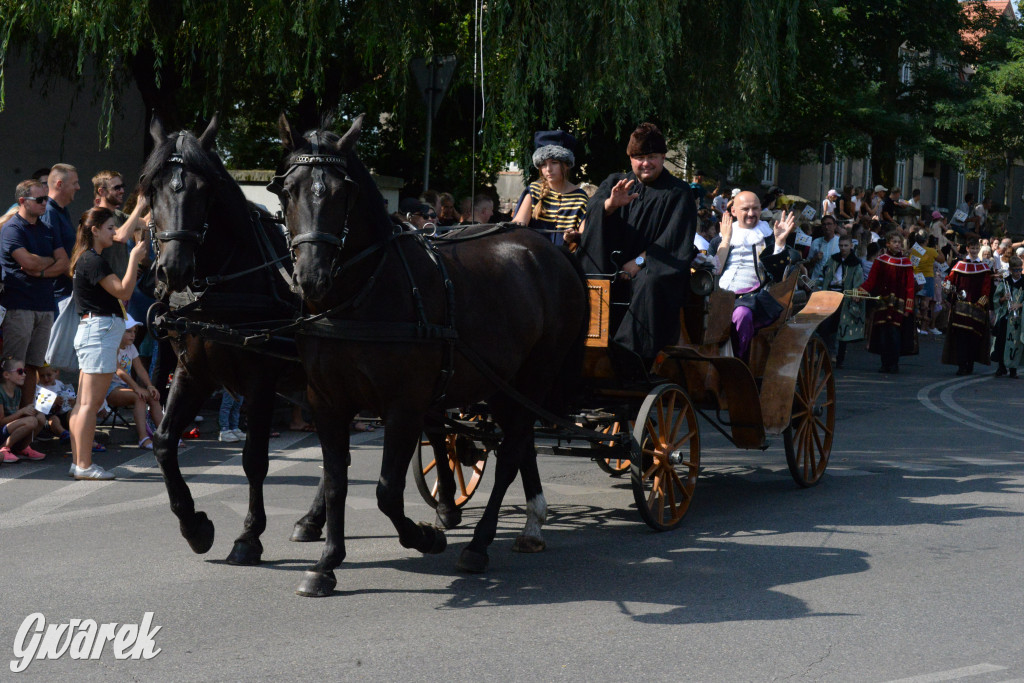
(784, 227)
(620, 195)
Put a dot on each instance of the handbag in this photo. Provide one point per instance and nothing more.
(60, 351)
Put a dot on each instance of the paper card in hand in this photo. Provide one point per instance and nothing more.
(45, 400)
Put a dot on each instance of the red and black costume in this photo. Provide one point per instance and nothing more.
(970, 298)
(890, 323)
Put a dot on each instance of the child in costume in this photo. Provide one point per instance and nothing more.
(969, 291)
(890, 324)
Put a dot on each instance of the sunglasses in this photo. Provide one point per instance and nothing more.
(17, 371)
(115, 188)
(38, 200)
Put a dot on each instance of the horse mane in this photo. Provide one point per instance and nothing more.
(195, 159)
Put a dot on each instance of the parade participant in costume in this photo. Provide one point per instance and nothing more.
(552, 202)
(842, 273)
(1008, 337)
(649, 217)
(744, 255)
(969, 292)
(890, 326)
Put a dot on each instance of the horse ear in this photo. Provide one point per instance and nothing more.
(348, 142)
(285, 129)
(206, 139)
(156, 129)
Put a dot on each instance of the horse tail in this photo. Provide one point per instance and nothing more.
(570, 375)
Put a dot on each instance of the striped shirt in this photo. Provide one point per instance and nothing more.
(558, 211)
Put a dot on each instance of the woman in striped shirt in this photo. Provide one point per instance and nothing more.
(553, 202)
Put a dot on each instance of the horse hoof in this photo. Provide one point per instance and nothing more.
(529, 544)
(448, 519)
(472, 562)
(316, 584)
(431, 540)
(199, 533)
(305, 533)
(246, 553)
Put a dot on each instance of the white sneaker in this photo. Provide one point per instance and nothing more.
(228, 436)
(937, 332)
(239, 433)
(71, 472)
(93, 472)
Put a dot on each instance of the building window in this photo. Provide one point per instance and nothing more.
(961, 181)
(980, 194)
(901, 174)
(768, 172)
(839, 173)
(905, 73)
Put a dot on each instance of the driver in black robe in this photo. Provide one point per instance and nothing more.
(649, 216)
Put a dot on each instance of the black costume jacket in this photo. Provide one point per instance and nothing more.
(661, 222)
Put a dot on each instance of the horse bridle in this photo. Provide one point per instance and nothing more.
(177, 185)
(199, 236)
(318, 162)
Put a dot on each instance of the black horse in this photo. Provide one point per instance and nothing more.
(244, 275)
(409, 327)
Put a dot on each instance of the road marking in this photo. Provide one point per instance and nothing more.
(841, 472)
(965, 417)
(952, 674)
(211, 480)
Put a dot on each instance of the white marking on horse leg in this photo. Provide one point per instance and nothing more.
(536, 515)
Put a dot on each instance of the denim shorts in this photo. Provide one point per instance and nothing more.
(96, 342)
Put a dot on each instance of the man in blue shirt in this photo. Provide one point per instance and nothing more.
(63, 184)
(31, 257)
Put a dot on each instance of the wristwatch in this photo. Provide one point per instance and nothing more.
(640, 262)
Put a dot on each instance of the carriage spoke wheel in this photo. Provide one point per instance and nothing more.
(808, 439)
(466, 460)
(666, 457)
(614, 466)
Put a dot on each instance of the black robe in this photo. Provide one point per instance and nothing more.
(661, 222)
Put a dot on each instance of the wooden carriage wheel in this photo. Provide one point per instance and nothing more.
(613, 466)
(808, 439)
(666, 457)
(466, 459)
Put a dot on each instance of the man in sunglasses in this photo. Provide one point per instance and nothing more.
(31, 256)
(108, 193)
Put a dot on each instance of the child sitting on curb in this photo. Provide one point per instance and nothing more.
(125, 391)
(18, 426)
(57, 419)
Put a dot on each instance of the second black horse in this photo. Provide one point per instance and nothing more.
(409, 327)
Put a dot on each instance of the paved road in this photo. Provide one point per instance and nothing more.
(903, 565)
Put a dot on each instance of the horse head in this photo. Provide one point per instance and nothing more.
(331, 205)
(180, 178)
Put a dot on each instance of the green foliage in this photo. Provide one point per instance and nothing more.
(773, 75)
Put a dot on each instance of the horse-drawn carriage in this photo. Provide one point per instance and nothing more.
(787, 388)
(394, 323)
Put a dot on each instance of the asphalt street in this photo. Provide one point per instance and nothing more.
(902, 565)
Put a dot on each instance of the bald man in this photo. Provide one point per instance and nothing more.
(748, 264)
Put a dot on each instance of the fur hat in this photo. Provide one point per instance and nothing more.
(553, 144)
(646, 139)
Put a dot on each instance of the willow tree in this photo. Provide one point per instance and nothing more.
(596, 67)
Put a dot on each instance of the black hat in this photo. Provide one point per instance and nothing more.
(553, 144)
(412, 205)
